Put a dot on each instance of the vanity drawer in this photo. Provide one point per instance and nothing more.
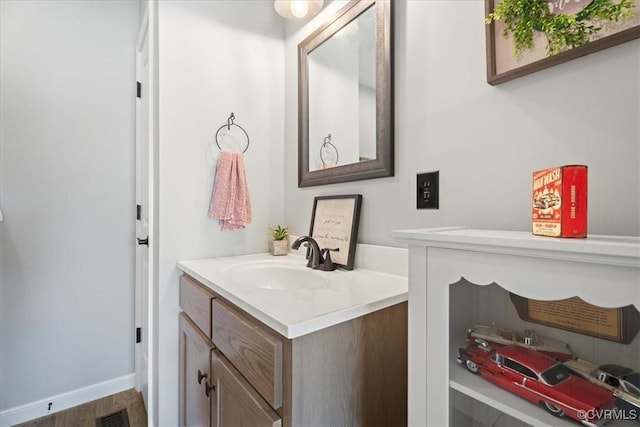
(254, 350)
(195, 300)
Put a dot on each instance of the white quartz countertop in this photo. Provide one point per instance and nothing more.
(292, 312)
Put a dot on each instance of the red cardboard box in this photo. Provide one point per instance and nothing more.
(560, 202)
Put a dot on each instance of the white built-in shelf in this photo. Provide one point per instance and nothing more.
(602, 270)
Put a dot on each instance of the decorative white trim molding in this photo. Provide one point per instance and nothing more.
(37, 409)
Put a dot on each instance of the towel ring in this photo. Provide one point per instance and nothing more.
(228, 125)
(325, 146)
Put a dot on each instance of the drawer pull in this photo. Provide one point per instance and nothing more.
(201, 376)
(208, 388)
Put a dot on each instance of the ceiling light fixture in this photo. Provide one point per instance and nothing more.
(296, 9)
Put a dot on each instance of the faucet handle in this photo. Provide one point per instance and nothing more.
(309, 254)
(327, 263)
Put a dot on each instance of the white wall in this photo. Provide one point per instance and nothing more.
(67, 193)
(485, 141)
(215, 58)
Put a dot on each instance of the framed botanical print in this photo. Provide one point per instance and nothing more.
(525, 36)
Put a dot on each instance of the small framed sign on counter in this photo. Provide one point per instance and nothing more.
(334, 225)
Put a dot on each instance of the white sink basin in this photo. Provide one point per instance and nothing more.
(292, 299)
(278, 276)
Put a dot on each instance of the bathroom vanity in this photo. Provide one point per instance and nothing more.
(266, 342)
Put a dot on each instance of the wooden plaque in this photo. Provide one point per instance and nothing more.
(573, 314)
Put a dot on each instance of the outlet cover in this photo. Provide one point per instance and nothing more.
(427, 190)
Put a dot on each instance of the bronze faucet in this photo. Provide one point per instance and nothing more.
(319, 259)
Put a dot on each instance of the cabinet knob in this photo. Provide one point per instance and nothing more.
(201, 376)
(208, 388)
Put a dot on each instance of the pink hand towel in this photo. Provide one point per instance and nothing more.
(230, 201)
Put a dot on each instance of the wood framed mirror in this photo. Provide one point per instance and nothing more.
(345, 96)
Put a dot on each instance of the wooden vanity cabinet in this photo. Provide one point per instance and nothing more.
(212, 391)
(353, 373)
(195, 374)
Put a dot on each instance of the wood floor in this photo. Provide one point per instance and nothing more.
(85, 415)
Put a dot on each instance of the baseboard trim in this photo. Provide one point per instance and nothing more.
(33, 410)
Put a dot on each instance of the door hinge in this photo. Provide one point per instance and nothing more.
(138, 212)
(139, 89)
(138, 335)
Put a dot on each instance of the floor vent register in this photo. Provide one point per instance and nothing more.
(116, 419)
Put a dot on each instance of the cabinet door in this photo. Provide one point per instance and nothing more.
(195, 374)
(238, 404)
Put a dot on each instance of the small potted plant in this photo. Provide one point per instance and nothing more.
(280, 243)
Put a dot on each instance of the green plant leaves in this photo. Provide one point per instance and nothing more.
(279, 233)
(523, 17)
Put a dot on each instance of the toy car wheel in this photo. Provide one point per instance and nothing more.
(553, 410)
(471, 367)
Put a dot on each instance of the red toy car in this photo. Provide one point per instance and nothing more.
(540, 379)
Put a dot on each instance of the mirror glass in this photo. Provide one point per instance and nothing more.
(345, 121)
(342, 96)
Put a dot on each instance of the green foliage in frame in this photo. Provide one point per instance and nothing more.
(523, 17)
